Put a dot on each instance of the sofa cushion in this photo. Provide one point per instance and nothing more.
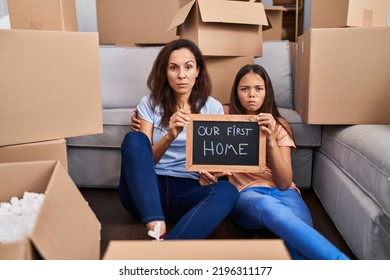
(363, 153)
(276, 60)
(124, 72)
(304, 135)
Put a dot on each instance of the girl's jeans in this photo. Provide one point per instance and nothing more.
(197, 210)
(285, 214)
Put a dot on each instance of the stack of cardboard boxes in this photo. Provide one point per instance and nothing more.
(50, 90)
(344, 63)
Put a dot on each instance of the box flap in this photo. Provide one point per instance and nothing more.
(224, 12)
(275, 8)
(50, 85)
(19, 250)
(233, 12)
(66, 226)
(181, 15)
(16, 178)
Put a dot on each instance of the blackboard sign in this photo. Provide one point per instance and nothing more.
(220, 143)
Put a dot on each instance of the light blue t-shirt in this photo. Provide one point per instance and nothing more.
(173, 162)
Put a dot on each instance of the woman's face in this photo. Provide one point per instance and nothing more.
(251, 93)
(182, 71)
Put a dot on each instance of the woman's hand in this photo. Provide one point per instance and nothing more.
(206, 178)
(135, 121)
(177, 122)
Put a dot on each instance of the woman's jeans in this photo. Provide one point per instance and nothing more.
(196, 210)
(285, 214)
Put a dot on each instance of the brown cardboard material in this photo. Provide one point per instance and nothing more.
(19, 250)
(66, 228)
(217, 28)
(50, 85)
(57, 15)
(129, 22)
(45, 150)
(271, 249)
(343, 76)
(352, 13)
(222, 72)
(275, 16)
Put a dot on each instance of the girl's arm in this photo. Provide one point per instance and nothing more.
(279, 157)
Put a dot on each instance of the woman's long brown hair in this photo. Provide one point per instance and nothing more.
(162, 93)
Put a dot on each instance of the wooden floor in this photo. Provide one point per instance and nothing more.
(117, 224)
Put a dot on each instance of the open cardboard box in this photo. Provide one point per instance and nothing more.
(275, 17)
(271, 249)
(57, 15)
(352, 13)
(45, 150)
(129, 22)
(66, 228)
(217, 28)
(343, 76)
(50, 85)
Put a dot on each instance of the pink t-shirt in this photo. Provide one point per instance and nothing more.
(249, 179)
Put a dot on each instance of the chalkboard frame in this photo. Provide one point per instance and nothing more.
(191, 166)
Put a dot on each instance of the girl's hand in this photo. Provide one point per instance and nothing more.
(268, 125)
(207, 178)
(177, 122)
(135, 121)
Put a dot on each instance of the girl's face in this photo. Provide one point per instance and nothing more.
(182, 71)
(251, 93)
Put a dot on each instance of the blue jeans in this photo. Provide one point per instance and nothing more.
(285, 214)
(196, 210)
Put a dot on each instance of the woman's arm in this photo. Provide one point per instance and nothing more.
(177, 122)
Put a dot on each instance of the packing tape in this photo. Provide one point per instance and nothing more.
(368, 17)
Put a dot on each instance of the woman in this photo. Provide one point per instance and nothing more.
(154, 183)
(270, 199)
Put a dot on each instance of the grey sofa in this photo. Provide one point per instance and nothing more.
(95, 160)
(352, 179)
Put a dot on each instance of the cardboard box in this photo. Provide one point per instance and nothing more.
(66, 228)
(222, 72)
(272, 249)
(46, 150)
(57, 15)
(219, 30)
(50, 85)
(343, 76)
(275, 17)
(129, 22)
(353, 13)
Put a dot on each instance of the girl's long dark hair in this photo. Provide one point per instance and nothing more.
(269, 104)
(161, 92)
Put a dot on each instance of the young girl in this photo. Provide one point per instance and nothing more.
(154, 183)
(270, 199)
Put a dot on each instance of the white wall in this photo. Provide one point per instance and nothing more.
(3, 8)
(388, 14)
(86, 15)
